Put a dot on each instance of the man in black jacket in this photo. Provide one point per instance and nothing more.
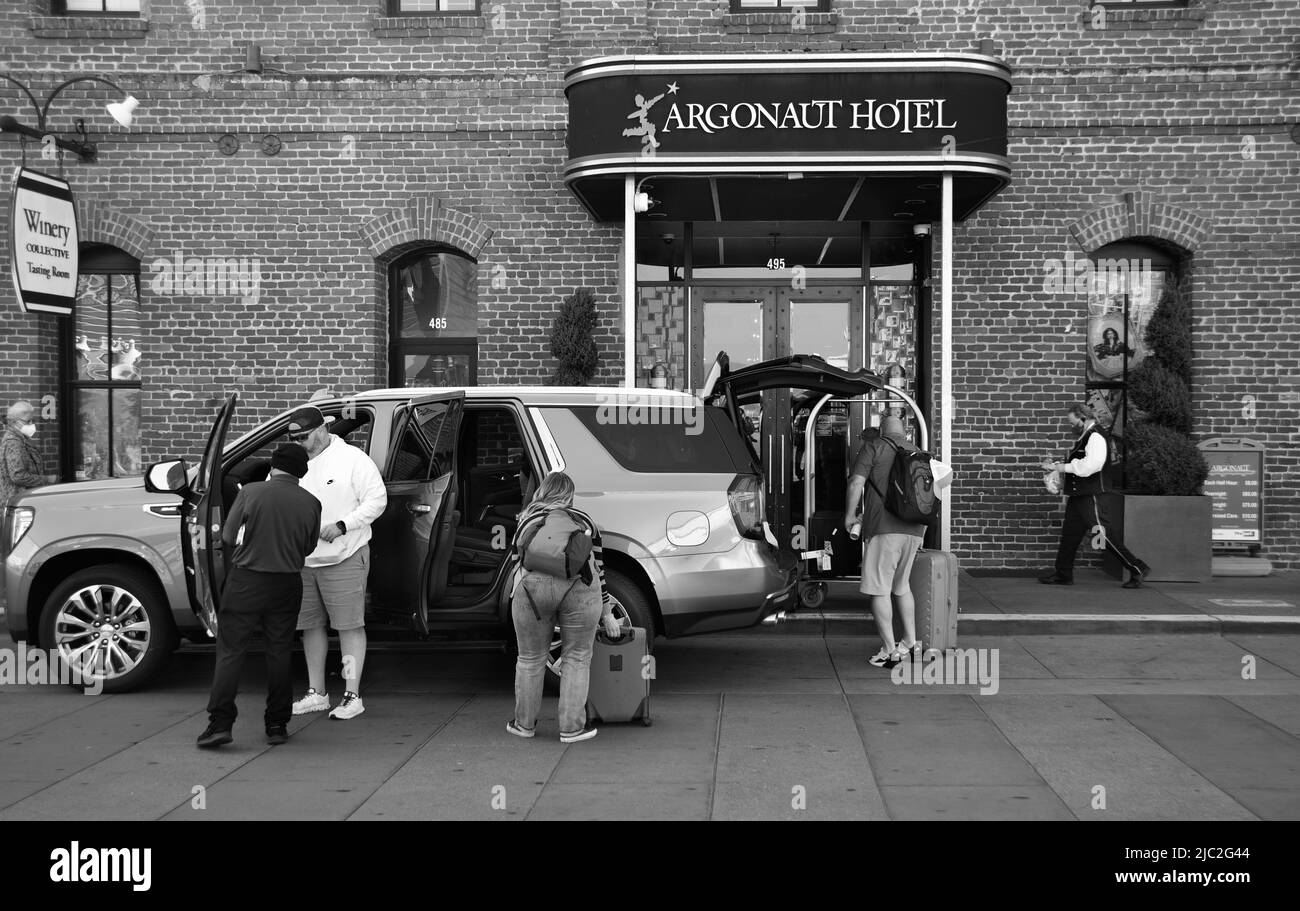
(271, 528)
(1083, 478)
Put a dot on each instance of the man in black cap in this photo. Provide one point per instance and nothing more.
(271, 528)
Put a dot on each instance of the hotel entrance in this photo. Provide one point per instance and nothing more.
(778, 205)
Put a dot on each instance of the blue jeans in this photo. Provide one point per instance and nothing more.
(578, 616)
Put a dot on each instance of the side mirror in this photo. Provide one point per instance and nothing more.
(167, 477)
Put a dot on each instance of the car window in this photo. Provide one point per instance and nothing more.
(698, 441)
(497, 441)
(410, 461)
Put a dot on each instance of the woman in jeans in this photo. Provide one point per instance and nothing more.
(577, 614)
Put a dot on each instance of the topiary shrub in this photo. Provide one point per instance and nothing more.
(571, 341)
(1163, 462)
(1169, 332)
(1159, 456)
(1164, 397)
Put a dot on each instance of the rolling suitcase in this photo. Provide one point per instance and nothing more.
(934, 587)
(620, 678)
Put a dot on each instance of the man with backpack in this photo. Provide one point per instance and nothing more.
(561, 583)
(890, 471)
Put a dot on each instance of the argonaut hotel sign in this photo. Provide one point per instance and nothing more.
(770, 113)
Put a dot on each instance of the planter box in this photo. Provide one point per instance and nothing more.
(1172, 534)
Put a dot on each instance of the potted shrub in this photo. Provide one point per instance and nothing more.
(571, 341)
(1166, 520)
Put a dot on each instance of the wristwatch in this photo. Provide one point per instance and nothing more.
(343, 529)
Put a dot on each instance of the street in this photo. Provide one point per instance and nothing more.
(747, 726)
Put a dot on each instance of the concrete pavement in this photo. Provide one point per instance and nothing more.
(748, 726)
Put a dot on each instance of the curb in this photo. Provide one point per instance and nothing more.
(850, 623)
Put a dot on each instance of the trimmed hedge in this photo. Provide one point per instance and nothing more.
(1163, 462)
(1159, 456)
(571, 341)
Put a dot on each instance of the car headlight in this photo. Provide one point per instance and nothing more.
(21, 518)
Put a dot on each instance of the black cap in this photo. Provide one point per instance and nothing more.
(304, 419)
(290, 457)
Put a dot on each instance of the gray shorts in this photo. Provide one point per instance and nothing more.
(338, 590)
(887, 564)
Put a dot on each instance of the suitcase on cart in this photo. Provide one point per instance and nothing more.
(934, 587)
(620, 678)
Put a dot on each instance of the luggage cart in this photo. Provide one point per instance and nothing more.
(833, 433)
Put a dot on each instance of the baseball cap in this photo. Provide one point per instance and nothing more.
(305, 419)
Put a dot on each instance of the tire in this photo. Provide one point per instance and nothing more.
(145, 636)
(813, 596)
(629, 601)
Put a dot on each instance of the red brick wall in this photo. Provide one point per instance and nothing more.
(376, 112)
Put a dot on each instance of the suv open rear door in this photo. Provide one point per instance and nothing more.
(799, 376)
(201, 519)
(413, 539)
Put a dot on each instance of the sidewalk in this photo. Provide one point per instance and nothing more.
(1017, 605)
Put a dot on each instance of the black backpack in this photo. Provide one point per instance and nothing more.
(911, 496)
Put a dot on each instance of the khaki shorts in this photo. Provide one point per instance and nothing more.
(338, 590)
(887, 564)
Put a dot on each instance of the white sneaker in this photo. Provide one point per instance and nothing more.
(912, 651)
(312, 702)
(350, 707)
(886, 657)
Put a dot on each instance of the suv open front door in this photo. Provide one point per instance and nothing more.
(412, 540)
(201, 519)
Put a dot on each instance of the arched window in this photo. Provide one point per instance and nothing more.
(102, 368)
(1125, 284)
(433, 318)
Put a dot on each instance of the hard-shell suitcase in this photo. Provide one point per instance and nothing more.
(620, 678)
(934, 587)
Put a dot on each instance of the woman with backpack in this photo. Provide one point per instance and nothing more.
(561, 583)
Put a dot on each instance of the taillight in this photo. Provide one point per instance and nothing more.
(745, 497)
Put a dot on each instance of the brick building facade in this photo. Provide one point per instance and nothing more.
(1173, 125)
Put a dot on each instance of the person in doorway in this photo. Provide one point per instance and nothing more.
(351, 493)
(1083, 477)
(271, 528)
(541, 602)
(20, 460)
(891, 544)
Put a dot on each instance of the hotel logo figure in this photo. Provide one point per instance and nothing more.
(645, 128)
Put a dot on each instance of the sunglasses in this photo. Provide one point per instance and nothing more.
(297, 437)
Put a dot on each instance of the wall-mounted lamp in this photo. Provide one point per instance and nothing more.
(121, 112)
(921, 230)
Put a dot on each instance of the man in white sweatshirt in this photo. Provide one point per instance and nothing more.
(351, 493)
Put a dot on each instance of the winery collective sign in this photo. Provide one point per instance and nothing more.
(43, 243)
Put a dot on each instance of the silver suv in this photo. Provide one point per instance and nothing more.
(113, 573)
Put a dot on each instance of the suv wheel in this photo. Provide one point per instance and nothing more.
(112, 624)
(630, 603)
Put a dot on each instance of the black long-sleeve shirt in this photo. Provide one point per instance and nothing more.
(280, 523)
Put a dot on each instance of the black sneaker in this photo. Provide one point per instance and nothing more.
(1055, 578)
(214, 736)
(1135, 580)
(277, 734)
(588, 732)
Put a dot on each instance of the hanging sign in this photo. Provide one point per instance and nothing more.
(43, 243)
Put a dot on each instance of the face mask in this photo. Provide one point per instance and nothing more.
(28, 430)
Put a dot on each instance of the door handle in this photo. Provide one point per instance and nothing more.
(418, 508)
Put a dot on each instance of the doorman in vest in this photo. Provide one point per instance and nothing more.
(1083, 478)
